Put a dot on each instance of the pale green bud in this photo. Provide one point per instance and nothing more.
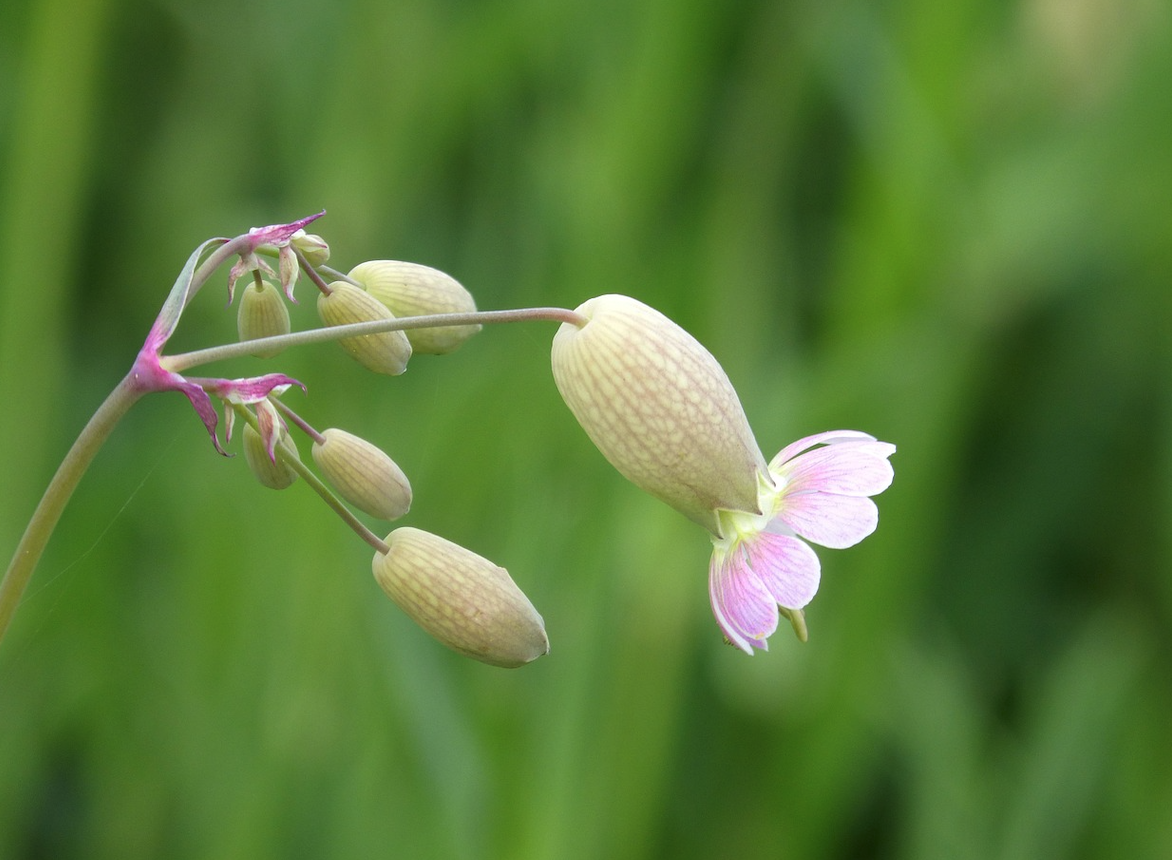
(386, 352)
(463, 600)
(262, 313)
(659, 407)
(411, 290)
(312, 246)
(274, 474)
(362, 474)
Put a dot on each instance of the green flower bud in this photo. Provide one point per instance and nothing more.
(362, 474)
(262, 313)
(386, 352)
(274, 475)
(463, 600)
(659, 407)
(412, 290)
(312, 246)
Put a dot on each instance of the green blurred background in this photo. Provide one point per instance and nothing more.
(948, 224)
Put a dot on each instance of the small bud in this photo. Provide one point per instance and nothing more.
(262, 313)
(463, 600)
(386, 352)
(272, 473)
(660, 408)
(362, 474)
(312, 247)
(412, 290)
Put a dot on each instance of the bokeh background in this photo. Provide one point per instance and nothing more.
(948, 224)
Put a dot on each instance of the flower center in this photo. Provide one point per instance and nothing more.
(740, 526)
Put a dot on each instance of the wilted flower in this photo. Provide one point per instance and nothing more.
(463, 600)
(662, 411)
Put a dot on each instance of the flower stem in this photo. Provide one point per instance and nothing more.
(65, 481)
(318, 486)
(186, 361)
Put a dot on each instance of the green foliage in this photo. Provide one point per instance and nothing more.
(943, 223)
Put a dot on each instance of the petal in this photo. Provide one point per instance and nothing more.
(278, 234)
(786, 566)
(203, 408)
(847, 468)
(271, 426)
(250, 390)
(744, 608)
(830, 520)
(289, 268)
(828, 438)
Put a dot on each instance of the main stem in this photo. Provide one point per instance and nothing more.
(65, 481)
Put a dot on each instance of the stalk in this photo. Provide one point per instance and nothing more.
(44, 520)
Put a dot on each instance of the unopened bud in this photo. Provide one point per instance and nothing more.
(271, 472)
(463, 600)
(363, 474)
(386, 352)
(411, 290)
(659, 407)
(262, 313)
(312, 247)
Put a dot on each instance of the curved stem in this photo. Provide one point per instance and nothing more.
(44, 520)
(188, 360)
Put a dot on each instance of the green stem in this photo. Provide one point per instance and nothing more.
(186, 361)
(65, 481)
(318, 486)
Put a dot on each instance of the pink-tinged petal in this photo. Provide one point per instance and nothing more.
(743, 607)
(830, 520)
(276, 234)
(229, 422)
(794, 448)
(847, 468)
(271, 425)
(289, 268)
(203, 408)
(786, 566)
(250, 390)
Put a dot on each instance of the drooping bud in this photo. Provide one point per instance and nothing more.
(386, 352)
(660, 408)
(463, 600)
(363, 474)
(272, 472)
(262, 313)
(410, 290)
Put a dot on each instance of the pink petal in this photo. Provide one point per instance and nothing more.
(203, 407)
(847, 468)
(794, 448)
(744, 608)
(276, 234)
(786, 566)
(830, 520)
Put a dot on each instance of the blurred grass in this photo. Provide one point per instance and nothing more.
(946, 224)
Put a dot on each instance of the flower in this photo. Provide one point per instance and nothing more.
(661, 409)
(817, 488)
